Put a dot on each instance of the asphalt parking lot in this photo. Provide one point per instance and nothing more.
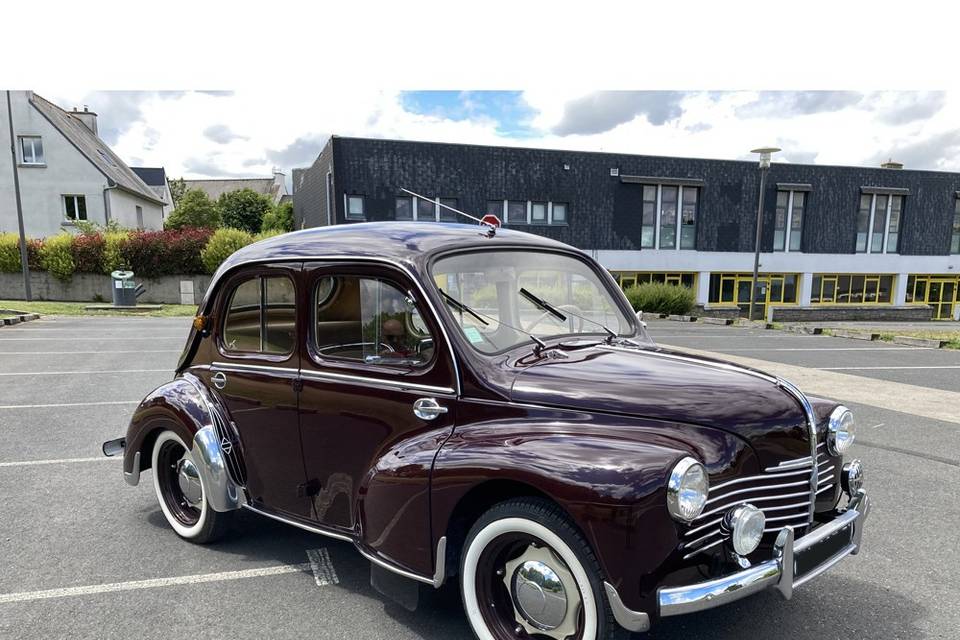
(86, 556)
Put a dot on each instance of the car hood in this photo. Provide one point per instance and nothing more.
(669, 386)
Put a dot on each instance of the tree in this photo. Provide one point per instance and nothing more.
(280, 218)
(177, 188)
(196, 209)
(243, 209)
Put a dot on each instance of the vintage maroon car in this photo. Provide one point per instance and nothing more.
(486, 407)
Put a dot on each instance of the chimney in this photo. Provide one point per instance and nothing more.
(890, 164)
(87, 117)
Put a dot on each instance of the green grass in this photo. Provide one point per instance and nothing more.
(50, 308)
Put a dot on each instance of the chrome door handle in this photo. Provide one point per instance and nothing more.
(219, 379)
(427, 409)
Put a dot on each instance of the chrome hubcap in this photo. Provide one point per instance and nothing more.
(545, 597)
(189, 480)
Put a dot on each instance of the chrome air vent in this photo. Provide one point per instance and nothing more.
(782, 492)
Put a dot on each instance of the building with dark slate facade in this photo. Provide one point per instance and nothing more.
(843, 242)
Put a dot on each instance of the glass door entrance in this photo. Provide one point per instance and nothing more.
(941, 293)
(734, 289)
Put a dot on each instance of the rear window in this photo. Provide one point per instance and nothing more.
(261, 316)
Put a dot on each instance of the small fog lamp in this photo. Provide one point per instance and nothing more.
(852, 477)
(745, 524)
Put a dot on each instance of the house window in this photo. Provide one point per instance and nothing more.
(851, 288)
(403, 209)
(75, 207)
(878, 223)
(495, 208)
(788, 223)
(355, 208)
(31, 150)
(627, 279)
(446, 215)
(516, 212)
(426, 210)
(139, 217)
(559, 213)
(955, 241)
(669, 217)
(538, 213)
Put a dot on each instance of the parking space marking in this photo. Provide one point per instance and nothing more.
(133, 585)
(30, 463)
(68, 353)
(84, 373)
(323, 572)
(941, 366)
(68, 404)
(745, 349)
(106, 339)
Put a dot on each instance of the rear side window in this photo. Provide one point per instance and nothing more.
(261, 316)
(371, 321)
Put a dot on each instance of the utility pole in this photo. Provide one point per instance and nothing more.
(16, 191)
(765, 153)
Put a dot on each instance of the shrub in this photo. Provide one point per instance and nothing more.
(222, 244)
(196, 209)
(279, 218)
(243, 209)
(151, 254)
(56, 256)
(9, 253)
(112, 251)
(658, 297)
(33, 254)
(88, 251)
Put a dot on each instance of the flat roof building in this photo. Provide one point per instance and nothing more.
(838, 242)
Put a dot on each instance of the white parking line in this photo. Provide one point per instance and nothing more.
(67, 353)
(133, 585)
(30, 463)
(323, 572)
(84, 373)
(945, 366)
(106, 338)
(830, 349)
(68, 404)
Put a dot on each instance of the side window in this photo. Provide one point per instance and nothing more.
(370, 320)
(261, 316)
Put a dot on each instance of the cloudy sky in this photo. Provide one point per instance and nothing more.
(247, 133)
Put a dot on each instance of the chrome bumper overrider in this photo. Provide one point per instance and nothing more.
(778, 572)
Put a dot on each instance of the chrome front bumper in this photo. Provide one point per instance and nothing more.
(779, 572)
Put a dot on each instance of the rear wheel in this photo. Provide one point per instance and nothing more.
(527, 572)
(181, 492)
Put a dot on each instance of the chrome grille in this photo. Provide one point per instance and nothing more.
(782, 492)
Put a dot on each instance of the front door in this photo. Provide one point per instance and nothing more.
(255, 374)
(378, 400)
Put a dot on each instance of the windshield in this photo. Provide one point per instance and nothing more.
(494, 315)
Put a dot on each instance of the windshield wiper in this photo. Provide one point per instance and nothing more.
(549, 308)
(462, 308)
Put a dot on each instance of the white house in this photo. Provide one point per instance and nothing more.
(66, 172)
(156, 179)
(275, 188)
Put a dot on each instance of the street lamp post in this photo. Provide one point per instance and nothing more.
(765, 153)
(16, 190)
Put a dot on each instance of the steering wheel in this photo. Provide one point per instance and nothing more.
(571, 318)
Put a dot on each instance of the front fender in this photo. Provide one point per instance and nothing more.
(185, 407)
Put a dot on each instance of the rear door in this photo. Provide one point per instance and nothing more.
(255, 373)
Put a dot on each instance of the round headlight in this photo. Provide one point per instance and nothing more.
(687, 490)
(745, 524)
(840, 431)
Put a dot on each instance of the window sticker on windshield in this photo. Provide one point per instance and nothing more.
(473, 334)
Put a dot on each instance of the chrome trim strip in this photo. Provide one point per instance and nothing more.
(777, 572)
(635, 621)
(703, 548)
(436, 580)
(762, 476)
(326, 376)
(133, 477)
(803, 494)
(724, 366)
(703, 526)
(812, 429)
(687, 545)
(755, 489)
(254, 368)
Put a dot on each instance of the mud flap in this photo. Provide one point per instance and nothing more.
(403, 591)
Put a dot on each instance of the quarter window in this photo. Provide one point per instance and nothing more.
(371, 321)
(355, 208)
(878, 223)
(75, 207)
(261, 317)
(31, 150)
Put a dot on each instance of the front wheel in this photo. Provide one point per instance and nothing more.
(527, 572)
(181, 492)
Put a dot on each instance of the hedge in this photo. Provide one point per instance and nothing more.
(223, 243)
(659, 297)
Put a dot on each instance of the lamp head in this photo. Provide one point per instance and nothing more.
(765, 153)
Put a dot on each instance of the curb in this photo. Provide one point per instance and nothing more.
(19, 316)
(855, 335)
(919, 342)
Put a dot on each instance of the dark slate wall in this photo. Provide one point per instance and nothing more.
(604, 213)
(309, 191)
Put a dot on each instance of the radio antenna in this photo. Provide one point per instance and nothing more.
(493, 227)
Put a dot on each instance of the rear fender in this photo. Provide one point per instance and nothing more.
(186, 407)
